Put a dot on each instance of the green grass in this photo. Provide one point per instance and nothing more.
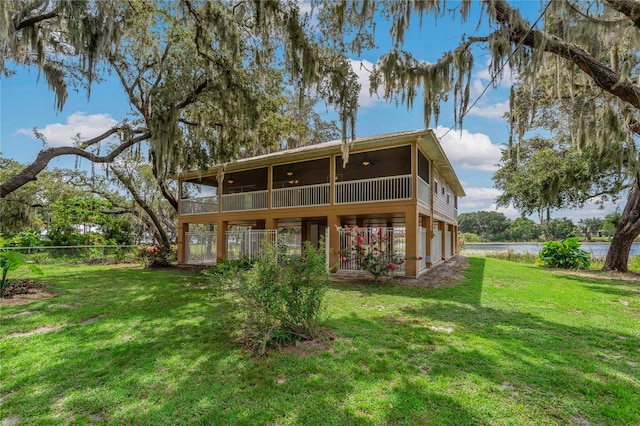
(512, 344)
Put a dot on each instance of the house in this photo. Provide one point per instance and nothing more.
(401, 185)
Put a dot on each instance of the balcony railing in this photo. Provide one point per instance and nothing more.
(199, 205)
(310, 195)
(424, 191)
(255, 200)
(376, 189)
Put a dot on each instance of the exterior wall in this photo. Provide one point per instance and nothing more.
(416, 215)
(443, 199)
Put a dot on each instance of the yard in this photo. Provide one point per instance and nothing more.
(509, 344)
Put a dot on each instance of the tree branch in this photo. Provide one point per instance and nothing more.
(630, 8)
(35, 19)
(144, 206)
(30, 172)
(601, 74)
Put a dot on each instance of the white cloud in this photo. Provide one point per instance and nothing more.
(469, 151)
(496, 110)
(87, 126)
(478, 198)
(363, 68)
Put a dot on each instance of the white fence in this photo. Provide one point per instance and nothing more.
(255, 200)
(247, 243)
(201, 247)
(199, 205)
(377, 189)
(436, 246)
(386, 245)
(309, 195)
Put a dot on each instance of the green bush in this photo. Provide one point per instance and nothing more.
(10, 261)
(564, 254)
(280, 297)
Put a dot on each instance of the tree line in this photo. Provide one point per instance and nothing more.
(491, 226)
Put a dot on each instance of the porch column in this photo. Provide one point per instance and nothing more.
(183, 228)
(426, 224)
(454, 237)
(443, 238)
(271, 223)
(412, 249)
(333, 221)
(222, 227)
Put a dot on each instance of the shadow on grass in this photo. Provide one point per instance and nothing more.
(164, 353)
(468, 290)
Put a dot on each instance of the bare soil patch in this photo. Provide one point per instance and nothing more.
(25, 291)
(444, 274)
(39, 330)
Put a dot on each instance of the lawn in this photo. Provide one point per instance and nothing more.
(511, 344)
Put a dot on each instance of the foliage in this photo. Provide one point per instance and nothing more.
(541, 175)
(522, 229)
(373, 253)
(610, 223)
(28, 238)
(156, 256)
(513, 256)
(470, 237)
(590, 227)
(280, 296)
(9, 262)
(16, 211)
(559, 229)
(564, 254)
(490, 226)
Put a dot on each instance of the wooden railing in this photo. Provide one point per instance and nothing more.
(376, 189)
(199, 205)
(309, 195)
(255, 200)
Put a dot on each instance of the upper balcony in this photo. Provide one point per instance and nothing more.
(373, 176)
(379, 169)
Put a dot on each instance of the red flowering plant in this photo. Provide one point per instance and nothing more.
(372, 252)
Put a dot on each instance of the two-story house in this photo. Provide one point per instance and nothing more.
(399, 184)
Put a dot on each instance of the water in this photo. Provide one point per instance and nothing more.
(596, 249)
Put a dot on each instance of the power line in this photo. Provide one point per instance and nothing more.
(504, 64)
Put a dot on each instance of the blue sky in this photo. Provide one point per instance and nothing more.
(474, 152)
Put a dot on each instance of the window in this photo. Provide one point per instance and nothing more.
(448, 197)
(435, 186)
(442, 189)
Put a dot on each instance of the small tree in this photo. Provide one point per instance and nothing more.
(10, 261)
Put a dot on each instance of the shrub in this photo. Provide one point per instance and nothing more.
(10, 261)
(156, 256)
(374, 254)
(564, 254)
(280, 297)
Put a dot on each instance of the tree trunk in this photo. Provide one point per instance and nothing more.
(627, 231)
(164, 239)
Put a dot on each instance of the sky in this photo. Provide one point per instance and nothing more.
(474, 151)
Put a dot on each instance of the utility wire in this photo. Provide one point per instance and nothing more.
(504, 64)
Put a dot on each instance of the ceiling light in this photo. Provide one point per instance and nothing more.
(289, 173)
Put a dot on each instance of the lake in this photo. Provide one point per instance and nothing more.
(596, 249)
